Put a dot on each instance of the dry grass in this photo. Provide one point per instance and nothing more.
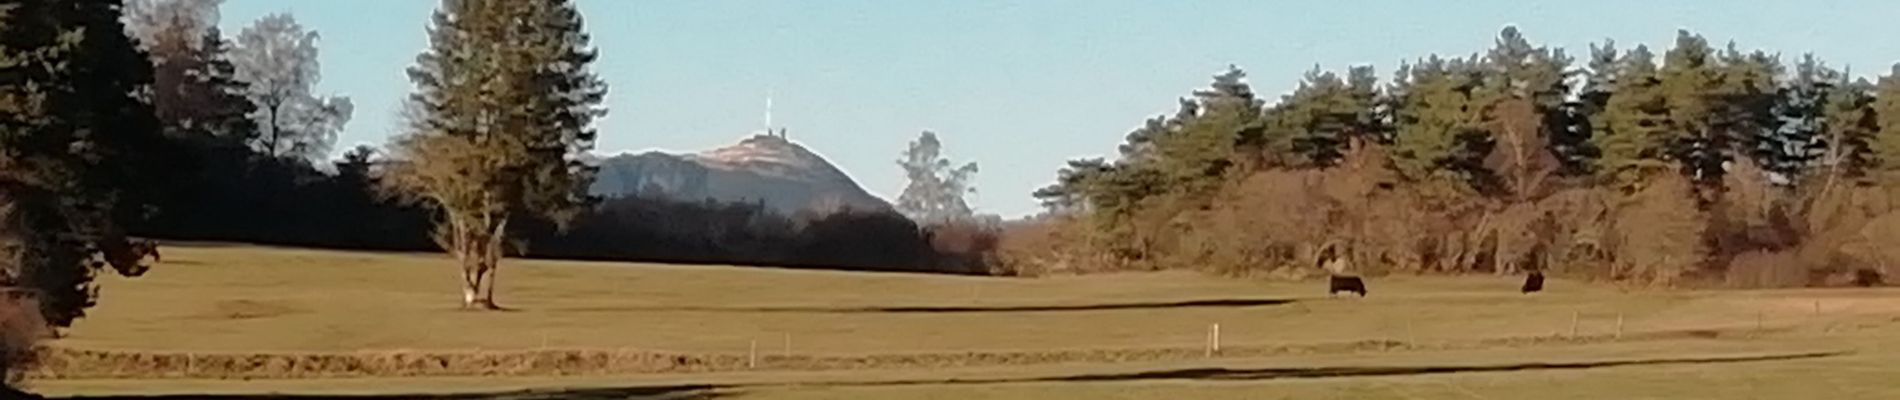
(248, 299)
(233, 301)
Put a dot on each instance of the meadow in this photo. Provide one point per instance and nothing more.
(249, 320)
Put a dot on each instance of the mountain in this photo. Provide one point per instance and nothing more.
(787, 177)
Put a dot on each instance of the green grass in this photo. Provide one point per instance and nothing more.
(241, 299)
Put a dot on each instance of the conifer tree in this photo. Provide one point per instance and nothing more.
(74, 143)
(502, 113)
(1632, 137)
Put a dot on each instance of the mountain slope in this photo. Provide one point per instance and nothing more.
(785, 176)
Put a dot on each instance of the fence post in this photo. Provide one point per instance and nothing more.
(1207, 343)
(788, 345)
(752, 356)
(1216, 338)
(1573, 323)
(1619, 326)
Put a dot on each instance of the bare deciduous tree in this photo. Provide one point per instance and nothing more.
(277, 58)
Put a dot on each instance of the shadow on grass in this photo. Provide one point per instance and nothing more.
(680, 392)
(1229, 374)
(1217, 303)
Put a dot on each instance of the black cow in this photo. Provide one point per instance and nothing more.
(1533, 282)
(1349, 284)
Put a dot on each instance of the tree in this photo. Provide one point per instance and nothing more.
(502, 113)
(1744, 101)
(1848, 129)
(1687, 81)
(1587, 110)
(1884, 143)
(1440, 121)
(935, 193)
(1632, 135)
(169, 24)
(1199, 145)
(1311, 126)
(74, 139)
(1799, 141)
(1525, 88)
(278, 59)
(195, 89)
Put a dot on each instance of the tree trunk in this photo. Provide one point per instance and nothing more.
(491, 255)
(470, 286)
(271, 146)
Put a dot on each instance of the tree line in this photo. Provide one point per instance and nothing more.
(1701, 166)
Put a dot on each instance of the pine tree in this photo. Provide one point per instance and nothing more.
(1311, 126)
(74, 143)
(1586, 112)
(1799, 141)
(503, 110)
(1632, 137)
(1440, 132)
(1199, 147)
(1689, 79)
(1884, 143)
(1744, 124)
(1848, 127)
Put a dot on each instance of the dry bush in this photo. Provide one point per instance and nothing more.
(1261, 223)
(1873, 247)
(21, 329)
(1046, 246)
(1767, 269)
(1750, 214)
(1658, 233)
(1580, 232)
(1844, 232)
(964, 246)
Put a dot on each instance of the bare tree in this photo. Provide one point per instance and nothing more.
(936, 190)
(150, 21)
(277, 57)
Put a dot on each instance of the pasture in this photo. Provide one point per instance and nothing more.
(615, 330)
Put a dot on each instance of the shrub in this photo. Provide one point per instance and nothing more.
(21, 329)
(1767, 269)
(1659, 233)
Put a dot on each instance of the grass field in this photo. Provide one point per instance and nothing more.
(249, 300)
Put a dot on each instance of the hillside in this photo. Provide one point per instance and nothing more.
(785, 176)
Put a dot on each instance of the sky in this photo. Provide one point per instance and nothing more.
(1016, 86)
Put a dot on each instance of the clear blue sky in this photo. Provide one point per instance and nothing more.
(1017, 86)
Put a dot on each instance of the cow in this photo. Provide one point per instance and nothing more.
(1338, 280)
(1348, 284)
(1533, 282)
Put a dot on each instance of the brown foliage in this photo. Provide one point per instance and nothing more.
(21, 329)
(1521, 157)
(1658, 233)
(1768, 269)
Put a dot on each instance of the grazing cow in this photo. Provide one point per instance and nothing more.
(1533, 282)
(1338, 280)
(1348, 284)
